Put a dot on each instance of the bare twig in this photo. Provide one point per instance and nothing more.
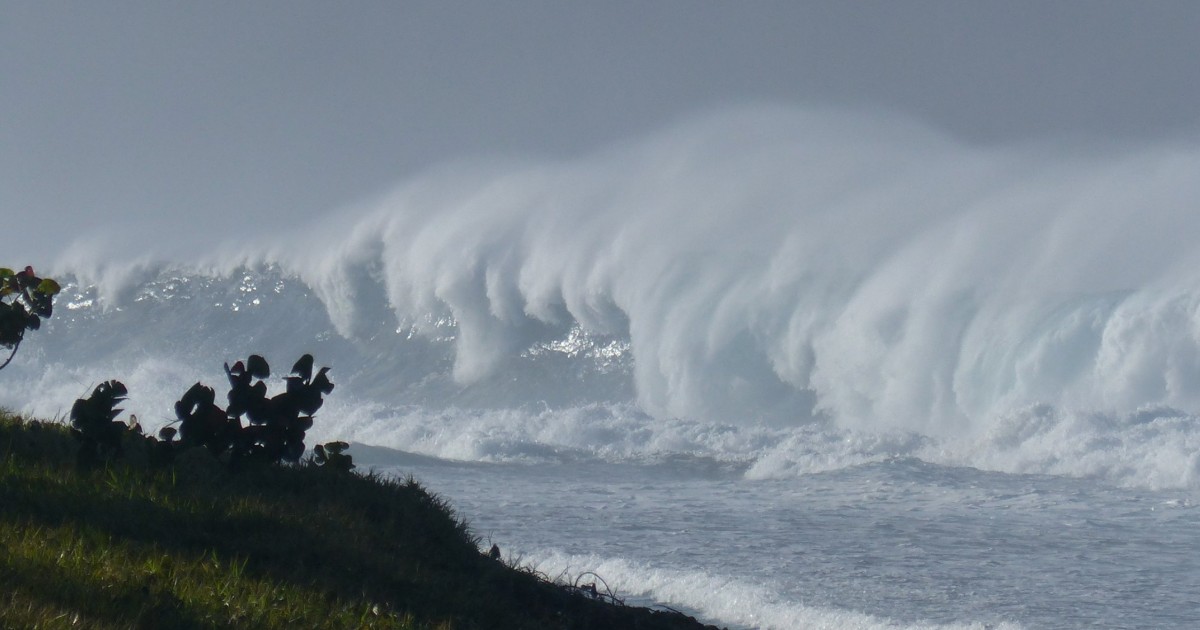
(593, 592)
(14, 351)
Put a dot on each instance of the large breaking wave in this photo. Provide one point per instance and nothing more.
(793, 289)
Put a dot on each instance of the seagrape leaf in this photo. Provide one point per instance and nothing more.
(257, 366)
(80, 412)
(322, 383)
(49, 287)
(116, 387)
(303, 367)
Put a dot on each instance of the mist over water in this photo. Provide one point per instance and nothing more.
(764, 268)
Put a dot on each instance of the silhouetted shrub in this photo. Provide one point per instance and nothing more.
(203, 423)
(332, 455)
(276, 426)
(275, 431)
(94, 424)
(25, 300)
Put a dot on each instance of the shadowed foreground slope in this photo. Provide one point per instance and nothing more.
(196, 547)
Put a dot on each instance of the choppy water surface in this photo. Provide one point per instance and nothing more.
(898, 542)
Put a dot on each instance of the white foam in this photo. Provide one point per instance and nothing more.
(720, 598)
(1154, 447)
(764, 260)
(764, 268)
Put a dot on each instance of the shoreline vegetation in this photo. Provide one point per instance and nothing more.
(194, 545)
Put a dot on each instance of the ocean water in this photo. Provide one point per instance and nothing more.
(777, 369)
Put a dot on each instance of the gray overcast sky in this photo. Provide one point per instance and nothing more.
(160, 111)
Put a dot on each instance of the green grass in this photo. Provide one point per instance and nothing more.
(194, 546)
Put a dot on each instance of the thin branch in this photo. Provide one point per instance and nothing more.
(14, 351)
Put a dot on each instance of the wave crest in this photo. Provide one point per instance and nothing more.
(762, 266)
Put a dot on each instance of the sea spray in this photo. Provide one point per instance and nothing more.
(765, 267)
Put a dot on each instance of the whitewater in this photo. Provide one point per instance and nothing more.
(778, 368)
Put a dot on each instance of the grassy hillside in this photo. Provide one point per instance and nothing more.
(194, 546)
